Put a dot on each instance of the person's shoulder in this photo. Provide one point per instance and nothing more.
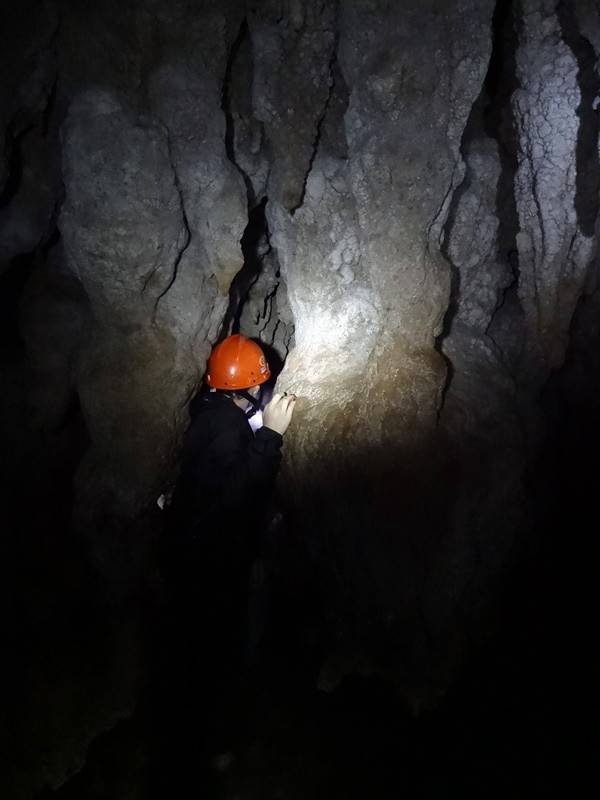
(205, 401)
(215, 410)
(197, 404)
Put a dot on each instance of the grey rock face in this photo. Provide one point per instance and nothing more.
(123, 230)
(426, 317)
(368, 286)
(212, 198)
(120, 185)
(181, 90)
(152, 224)
(480, 413)
(266, 313)
(553, 252)
(472, 241)
(248, 142)
(291, 87)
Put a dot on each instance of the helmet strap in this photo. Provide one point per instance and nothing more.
(254, 401)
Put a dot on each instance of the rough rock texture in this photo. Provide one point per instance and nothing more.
(123, 252)
(368, 287)
(152, 224)
(266, 313)
(481, 413)
(554, 252)
(400, 198)
(291, 87)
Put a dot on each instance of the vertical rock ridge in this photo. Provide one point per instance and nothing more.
(227, 111)
(187, 233)
(400, 198)
(499, 122)
(554, 253)
(322, 116)
(472, 129)
(587, 180)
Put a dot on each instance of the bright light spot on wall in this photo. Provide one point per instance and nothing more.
(332, 327)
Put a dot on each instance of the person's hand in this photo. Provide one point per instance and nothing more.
(277, 414)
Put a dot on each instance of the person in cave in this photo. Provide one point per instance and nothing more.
(219, 506)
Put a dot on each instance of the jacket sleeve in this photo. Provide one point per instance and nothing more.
(245, 468)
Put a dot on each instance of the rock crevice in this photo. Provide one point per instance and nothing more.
(588, 161)
(226, 106)
(331, 71)
(401, 199)
(186, 237)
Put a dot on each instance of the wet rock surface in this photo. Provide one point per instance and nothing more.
(401, 201)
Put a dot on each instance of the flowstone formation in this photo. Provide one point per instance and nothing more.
(400, 199)
(365, 451)
(157, 258)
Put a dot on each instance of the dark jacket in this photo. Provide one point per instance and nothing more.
(227, 475)
(213, 526)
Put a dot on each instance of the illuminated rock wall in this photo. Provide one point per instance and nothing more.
(152, 220)
(369, 286)
(433, 265)
(427, 174)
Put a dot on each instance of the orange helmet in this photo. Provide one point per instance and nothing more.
(237, 363)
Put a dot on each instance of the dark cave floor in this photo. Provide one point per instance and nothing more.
(518, 723)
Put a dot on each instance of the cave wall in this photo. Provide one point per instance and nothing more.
(425, 179)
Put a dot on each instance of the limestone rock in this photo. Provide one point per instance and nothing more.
(553, 251)
(152, 221)
(247, 131)
(473, 239)
(368, 287)
(266, 313)
(123, 231)
(292, 78)
(429, 282)
(480, 414)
